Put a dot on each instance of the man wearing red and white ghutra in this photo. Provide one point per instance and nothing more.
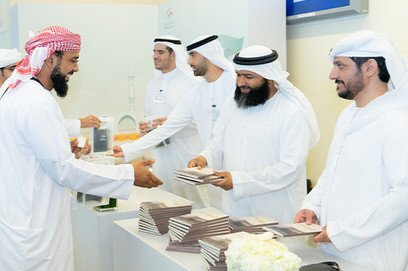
(37, 167)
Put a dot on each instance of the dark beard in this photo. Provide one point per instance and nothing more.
(354, 88)
(58, 80)
(256, 96)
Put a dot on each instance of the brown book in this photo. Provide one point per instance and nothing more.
(213, 248)
(155, 215)
(251, 224)
(196, 176)
(296, 229)
(197, 225)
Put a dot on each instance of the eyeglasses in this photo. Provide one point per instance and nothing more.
(10, 68)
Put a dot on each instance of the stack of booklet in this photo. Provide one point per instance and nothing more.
(155, 215)
(297, 229)
(185, 230)
(196, 176)
(213, 249)
(251, 224)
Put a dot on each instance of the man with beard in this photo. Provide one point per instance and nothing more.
(261, 140)
(362, 196)
(9, 59)
(37, 167)
(200, 106)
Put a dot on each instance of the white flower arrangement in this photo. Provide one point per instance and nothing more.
(260, 253)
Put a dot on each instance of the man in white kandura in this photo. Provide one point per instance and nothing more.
(9, 59)
(173, 80)
(37, 167)
(261, 140)
(362, 196)
(200, 106)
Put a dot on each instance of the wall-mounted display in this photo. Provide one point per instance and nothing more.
(299, 11)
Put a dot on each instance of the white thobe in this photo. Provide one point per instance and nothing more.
(36, 170)
(265, 149)
(163, 94)
(201, 106)
(362, 195)
(73, 127)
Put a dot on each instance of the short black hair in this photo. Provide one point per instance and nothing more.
(170, 49)
(382, 67)
(59, 54)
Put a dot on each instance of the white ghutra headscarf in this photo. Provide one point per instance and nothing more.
(209, 47)
(181, 56)
(367, 43)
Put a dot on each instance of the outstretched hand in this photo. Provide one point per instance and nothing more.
(306, 215)
(198, 162)
(322, 237)
(117, 151)
(90, 121)
(226, 183)
(143, 176)
(78, 151)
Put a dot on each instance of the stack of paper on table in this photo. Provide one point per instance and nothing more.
(251, 224)
(185, 230)
(196, 176)
(155, 215)
(213, 249)
(297, 229)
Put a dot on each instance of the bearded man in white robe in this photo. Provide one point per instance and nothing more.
(9, 59)
(362, 196)
(37, 167)
(261, 140)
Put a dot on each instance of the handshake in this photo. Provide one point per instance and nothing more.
(143, 176)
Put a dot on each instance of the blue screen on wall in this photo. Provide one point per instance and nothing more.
(296, 7)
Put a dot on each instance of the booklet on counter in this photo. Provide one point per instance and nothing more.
(186, 230)
(155, 215)
(252, 224)
(297, 229)
(196, 176)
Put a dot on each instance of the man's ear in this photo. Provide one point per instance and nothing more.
(370, 67)
(271, 84)
(50, 61)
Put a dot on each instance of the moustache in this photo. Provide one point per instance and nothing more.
(338, 81)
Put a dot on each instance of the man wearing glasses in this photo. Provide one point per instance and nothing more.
(8, 62)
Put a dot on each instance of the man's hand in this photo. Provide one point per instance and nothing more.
(158, 122)
(90, 121)
(143, 128)
(306, 215)
(143, 176)
(198, 162)
(322, 237)
(226, 183)
(80, 151)
(117, 151)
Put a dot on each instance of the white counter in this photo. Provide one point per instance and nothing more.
(133, 250)
(92, 230)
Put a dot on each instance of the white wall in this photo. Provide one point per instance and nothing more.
(116, 42)
(190, 19)
(267, 25)
(256, 21)
(308, 47)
